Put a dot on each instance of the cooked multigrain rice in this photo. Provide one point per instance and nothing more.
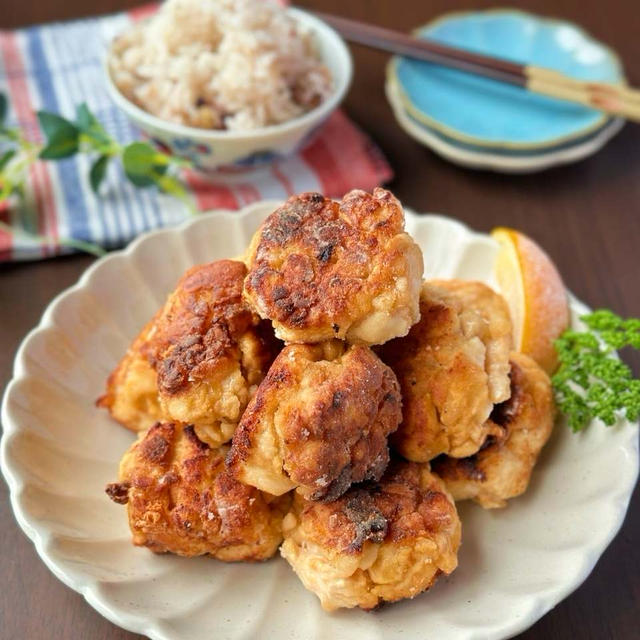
(220, 64)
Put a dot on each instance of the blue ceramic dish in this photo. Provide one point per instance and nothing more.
(486, 113)
(501, 159)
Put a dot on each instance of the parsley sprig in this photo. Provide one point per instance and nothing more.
(591, 381)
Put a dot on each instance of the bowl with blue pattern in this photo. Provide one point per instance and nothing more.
(479, 114)
(209, 149)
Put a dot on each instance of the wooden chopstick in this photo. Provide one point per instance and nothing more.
(614, 99)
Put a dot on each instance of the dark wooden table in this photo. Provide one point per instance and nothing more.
(587, 216)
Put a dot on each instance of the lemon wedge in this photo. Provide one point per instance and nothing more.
(535, 293)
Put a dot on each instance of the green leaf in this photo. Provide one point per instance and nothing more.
(84, 118)
(98, 172)
(88, 124)
(59, 147)
(171, 185)
(52, 123)
(62, 136)
(10, 134)
(6, 189)
(4, 108)
(140, 181)
(141, 156)
(143, 165)
(6, 157)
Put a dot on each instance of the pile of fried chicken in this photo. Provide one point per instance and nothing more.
(319, 397)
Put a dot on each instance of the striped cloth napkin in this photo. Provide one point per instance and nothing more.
(58, 66)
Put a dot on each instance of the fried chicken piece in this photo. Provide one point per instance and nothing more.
(181, 499)
(502, 468)
(319, 422)
(131, 396)
(377, 543)
(452, 368)
(198, 361)
(320, 269)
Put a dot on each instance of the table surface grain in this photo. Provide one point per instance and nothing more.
(587, 216)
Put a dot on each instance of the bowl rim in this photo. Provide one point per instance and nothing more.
(427, 119)
(319, 28)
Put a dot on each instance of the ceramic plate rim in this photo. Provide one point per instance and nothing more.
(38, 533)
(488, 160)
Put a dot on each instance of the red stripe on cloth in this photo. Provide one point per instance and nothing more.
(209, 195)
(46, 203)
(319, 158)
(353, 156)
(248, 193)
(5, 237)
(140, 13)
(379, 162)
(284, 180)
(28, 122)
(352, 149)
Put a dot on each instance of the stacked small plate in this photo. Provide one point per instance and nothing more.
(485, 124)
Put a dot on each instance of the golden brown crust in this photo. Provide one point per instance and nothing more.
(502, 468)
(319, 421)
(321, 269)
(182, 500)
(452, 368)
(379, 542)
(199, 328)
(131, 395)
(406, 503)
(199, 360)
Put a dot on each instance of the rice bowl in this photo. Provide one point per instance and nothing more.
(236, 144)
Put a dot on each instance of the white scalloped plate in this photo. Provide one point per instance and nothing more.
(58, 452)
